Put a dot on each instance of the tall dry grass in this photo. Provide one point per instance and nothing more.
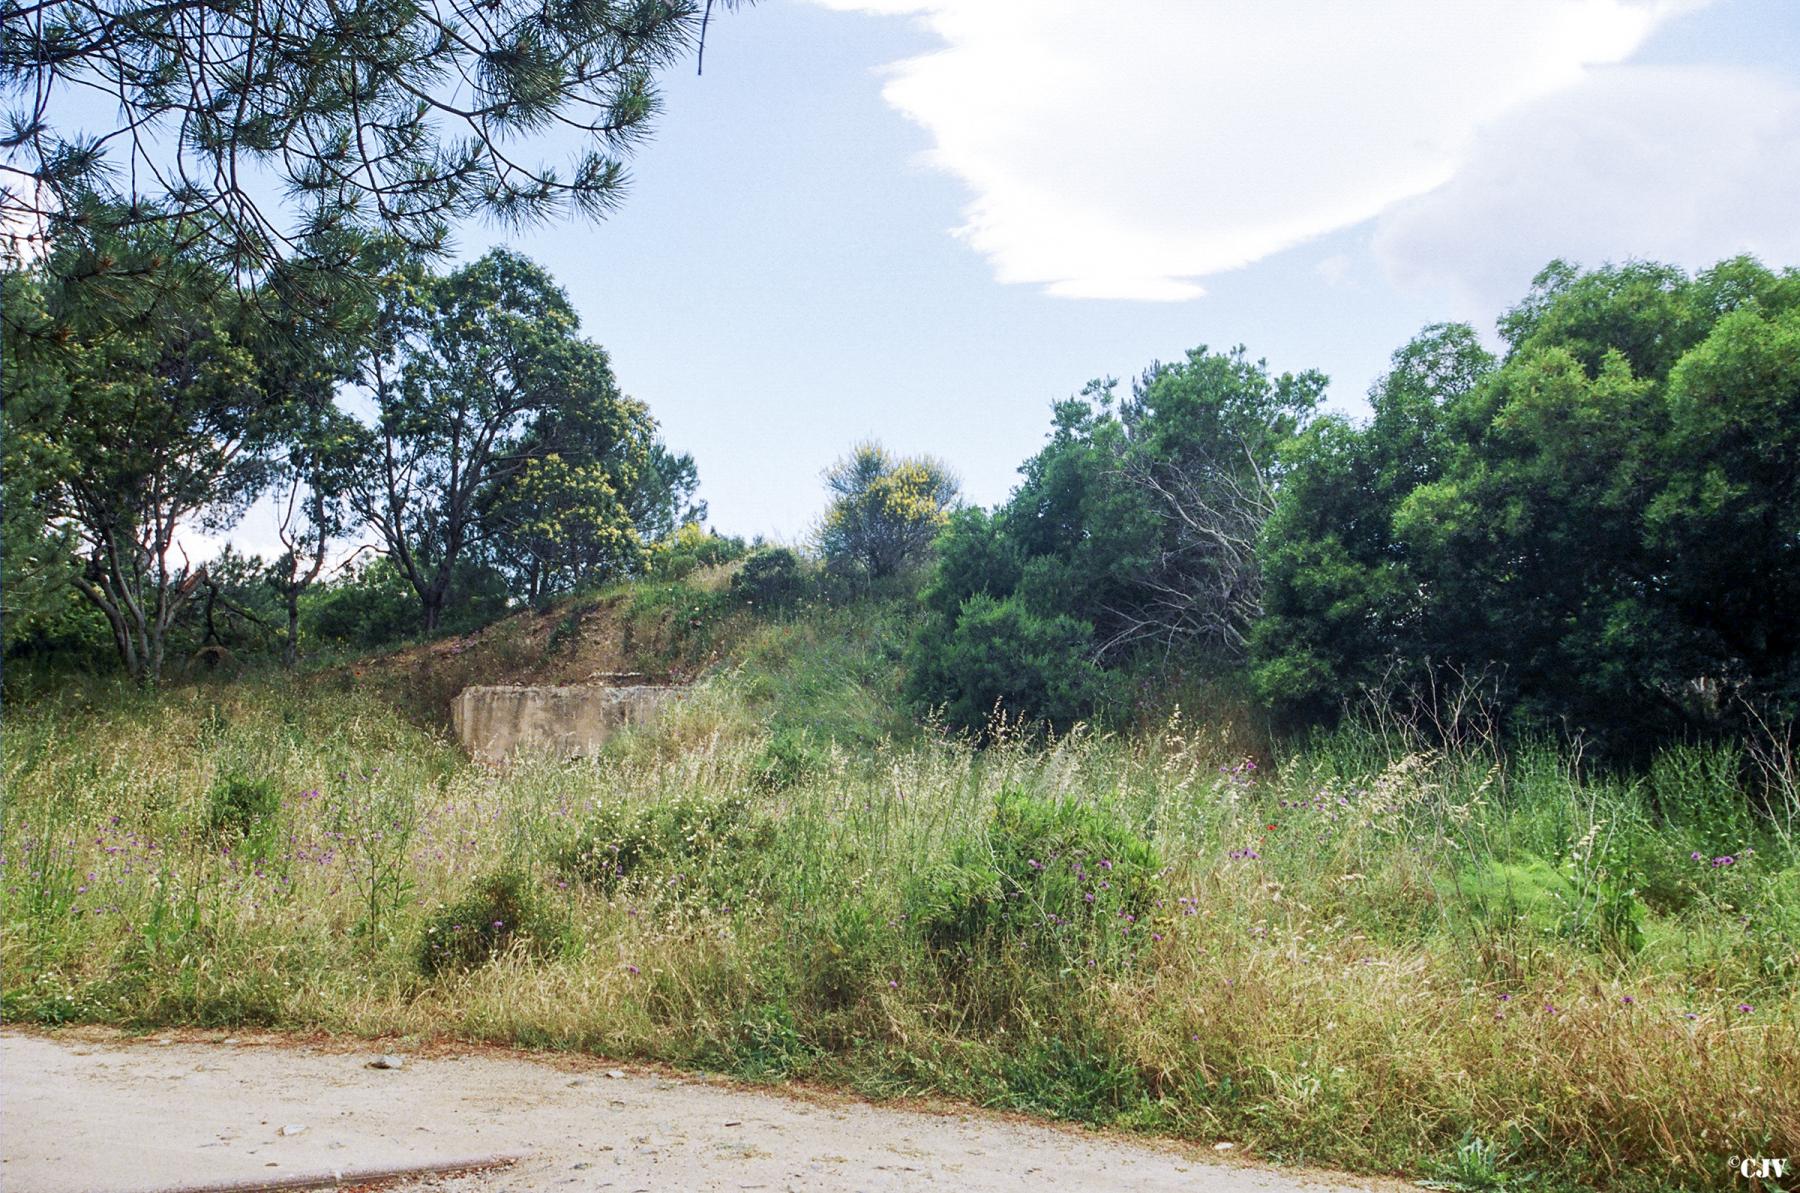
(1478, 969)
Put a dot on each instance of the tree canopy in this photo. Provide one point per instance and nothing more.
(1603, 524)
(283, 134)
(884, 510)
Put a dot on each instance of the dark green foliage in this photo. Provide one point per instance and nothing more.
(138, 413)
(999, 659)
(499, 910)
(501, 431)
(1600, 529)
(374, 606)
(1067, 881)
(1342, 588)
(1131, 536)
(241, 807)
(787, 758)
(770, 578)
(1079, 1080)
(662, 502)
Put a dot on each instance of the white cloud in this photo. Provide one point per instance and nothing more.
(1683, 165)
(1124, 151)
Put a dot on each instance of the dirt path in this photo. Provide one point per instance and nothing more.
(98, 1115)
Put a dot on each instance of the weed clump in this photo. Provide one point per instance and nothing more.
(238, 806)
(498, 910)
(786, 760)
(1063, 879)
(618, 842)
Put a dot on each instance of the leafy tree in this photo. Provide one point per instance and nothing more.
(159, 431)
(566, 517)
(663, 500)
(499, 428)
(388, 117)
(1604, 521)
(885, 510)
(1132, 531)
(1344, 596)
(372, 605)
(1726, 525)
(1202, 450)
(36, 592)
(315, 468)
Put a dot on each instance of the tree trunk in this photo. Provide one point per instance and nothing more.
(290, 650)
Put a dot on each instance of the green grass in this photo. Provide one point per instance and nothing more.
(1489, 973)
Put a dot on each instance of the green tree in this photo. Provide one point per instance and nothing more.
(566, 517)
(315, 467)
(664, 500)
(1202, 451)
(1131, 537)
(500, 430)
(1344, 597)
(160, 429)
(885, 510)
(36, 590)
(1726, 525)
(1603, 523)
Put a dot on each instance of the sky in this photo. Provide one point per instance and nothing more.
(925, 221)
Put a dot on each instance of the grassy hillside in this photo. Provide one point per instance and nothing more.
(1353, 951)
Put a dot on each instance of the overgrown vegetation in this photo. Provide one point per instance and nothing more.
(1368, 950)
(1481, 865)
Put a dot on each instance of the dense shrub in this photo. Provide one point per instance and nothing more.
(618, 841)
(241, 807)
(689, 548)
(1001, 658)
(375, 606)
(1063, 879)
(771, 578)
(499, 909)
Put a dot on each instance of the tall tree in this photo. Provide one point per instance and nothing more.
(497, 426)
(1603, 522)
(1202, 448)
(567, 517)
(160, 431)
(885, 510)
(34, 372)
(1344, 594)
(1133, 530)
(314, 468)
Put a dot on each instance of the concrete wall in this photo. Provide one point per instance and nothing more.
(493, 722)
